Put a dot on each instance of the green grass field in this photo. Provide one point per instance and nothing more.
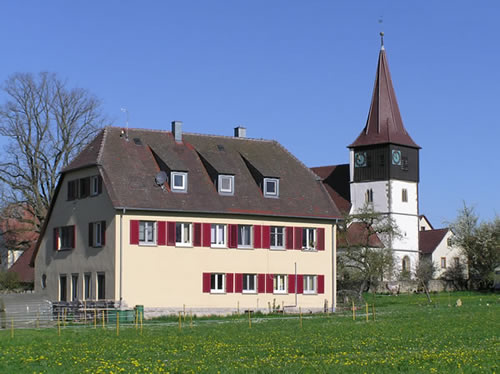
(408, 335)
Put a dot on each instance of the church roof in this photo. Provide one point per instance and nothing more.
(384, 124)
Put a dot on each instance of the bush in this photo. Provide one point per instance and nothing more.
(9, 280)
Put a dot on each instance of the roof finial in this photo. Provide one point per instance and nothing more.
(382, 40)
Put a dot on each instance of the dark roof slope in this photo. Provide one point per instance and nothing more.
(428, 240)
(129, 168)
(336, 181)
(384, 123)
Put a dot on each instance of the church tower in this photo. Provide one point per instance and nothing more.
(384, 167)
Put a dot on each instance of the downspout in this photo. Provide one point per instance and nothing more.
(293, 306)
(334, 266)
(121, 255)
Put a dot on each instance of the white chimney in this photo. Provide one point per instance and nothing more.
(240, 132)
(177, 131)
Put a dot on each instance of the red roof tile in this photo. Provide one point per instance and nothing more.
(428, 240)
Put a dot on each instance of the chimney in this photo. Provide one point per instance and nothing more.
(240, 132)
(177, 131)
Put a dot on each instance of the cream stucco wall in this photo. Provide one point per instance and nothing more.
(171, 277)
(82, 259)
(450, 252)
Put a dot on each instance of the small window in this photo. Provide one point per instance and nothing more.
(84, 188)
(369, 195)
(226, 184)
(404, 163)
(43, 281)
(94, 185)
(101, 286)
(147, 232)
(178, 181)
(422, 228)
(218, 235)
(280, 283)
(404, 195)
(97, 234)
(443, 262)
(74, 287)
(72, 189)
(449, 242)
(182, 234)
(87, 286)
(277, 237)
(249, 283)
(405, 265)
(244, 236)
(64, 237)
(271, 187)
(217, 283)
(308, 238)
(62, 288)
(310, 284)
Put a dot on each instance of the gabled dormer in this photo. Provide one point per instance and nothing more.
(269, 184)
(176, 172)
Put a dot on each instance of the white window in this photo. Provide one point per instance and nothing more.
(74, 287)
(67, 237)
(308, 238)
(271, 187)
(369, 195)
(217, 283)
(97, 234)
(280, 283)
(226, 184)
(94, 185)
(179, 181)
(310, 284)
(218, 235)
(182, 234)
(277, 237)
(249, 283)
(244, 236)
(443, 262)
(87, 295)
(147, 232)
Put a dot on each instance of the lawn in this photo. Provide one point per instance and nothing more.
(408, 335)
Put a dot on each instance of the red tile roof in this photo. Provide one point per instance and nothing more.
(384, 124)
(336, 181)
(429, 239)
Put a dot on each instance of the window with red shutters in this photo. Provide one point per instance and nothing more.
(229, 282)
(320, 232)
(261, 283)
(291, 283)
(134, 231)
(300, 283)
(289, 238)
(162, 233)
(233, 236)
(257, 236)
(197, 234)
(171, 233)
(266, 237)
(206, 227)
(238, 283)
(206, 282)
(298, 238)
(321, 284)
(269, 283)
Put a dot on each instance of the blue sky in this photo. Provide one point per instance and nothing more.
(300, 72)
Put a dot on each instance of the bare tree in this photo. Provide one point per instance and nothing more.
(365, 254)
(46, 124)
(424, 272)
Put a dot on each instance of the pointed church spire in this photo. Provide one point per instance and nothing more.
(384, 124)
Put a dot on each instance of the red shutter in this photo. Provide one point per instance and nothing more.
(233, 236)
(229, 282)
(56, 239)
(261, 283)
(289, 237)
(206, 282)
(171, 233)
(257, 236)
(320, 237)
(266, 237)
(300, 283)
(162, 233)
(206, 234)
(298, 237)
(103, 233)
(91, 234)
(321, 284)
(269, 283)
(134, 231)
(197, 235)
(238, 283)
(291, 283)
(73, 244)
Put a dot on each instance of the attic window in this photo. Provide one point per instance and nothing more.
(178, 181)
(271, 187)
(137, 141)
(226, 185)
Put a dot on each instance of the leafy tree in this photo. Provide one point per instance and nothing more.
(456, 274)
(480, 244)
(365, 248)
(46, 124)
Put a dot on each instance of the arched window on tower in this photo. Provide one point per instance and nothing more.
(369, 196)
(405, 265)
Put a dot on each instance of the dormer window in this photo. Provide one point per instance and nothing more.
(178, 181)
(226, 184)
(271, 187)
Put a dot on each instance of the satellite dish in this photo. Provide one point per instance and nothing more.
(161, 178)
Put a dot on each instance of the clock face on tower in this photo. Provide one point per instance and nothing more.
(360, 159)
(396, 157)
